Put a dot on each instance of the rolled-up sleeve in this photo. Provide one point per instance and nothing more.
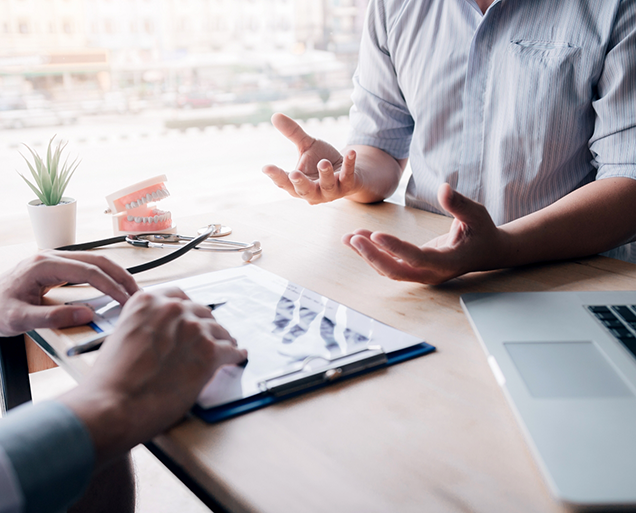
(50, 456)
(613, 143)
(379, 116)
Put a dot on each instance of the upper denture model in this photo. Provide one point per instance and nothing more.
(134, 208)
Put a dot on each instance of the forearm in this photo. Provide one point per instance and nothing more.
(378, 173)
(588, 221)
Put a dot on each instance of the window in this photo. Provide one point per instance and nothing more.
(152, 90)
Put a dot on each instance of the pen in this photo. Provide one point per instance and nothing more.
(94, 343)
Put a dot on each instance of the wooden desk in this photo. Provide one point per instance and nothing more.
(431, 434)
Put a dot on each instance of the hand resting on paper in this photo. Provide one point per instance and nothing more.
(165, 348)
(22, 289)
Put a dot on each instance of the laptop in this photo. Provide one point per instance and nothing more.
(567, 364)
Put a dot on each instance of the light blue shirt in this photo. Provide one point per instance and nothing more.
(515, 108)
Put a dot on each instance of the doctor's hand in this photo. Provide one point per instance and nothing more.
(473, 243)
(22, 289)
(322, 174)
(149, 372)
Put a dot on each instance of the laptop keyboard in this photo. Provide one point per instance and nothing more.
(620, 321)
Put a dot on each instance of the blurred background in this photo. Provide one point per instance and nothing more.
(63, 60)
(184, 88)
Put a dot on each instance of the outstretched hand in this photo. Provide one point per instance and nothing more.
(22, 289)
(322, 174)
(473, 243)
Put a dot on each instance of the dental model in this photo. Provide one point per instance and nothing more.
(134, 209)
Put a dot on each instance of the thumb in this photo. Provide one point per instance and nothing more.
(60, 316)
(292, 130)
(459, 206)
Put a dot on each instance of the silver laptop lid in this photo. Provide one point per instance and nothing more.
(571, 383)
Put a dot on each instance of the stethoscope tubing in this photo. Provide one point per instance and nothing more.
(147, 265)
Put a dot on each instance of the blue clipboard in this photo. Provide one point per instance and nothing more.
(287, 386)
(297, 340)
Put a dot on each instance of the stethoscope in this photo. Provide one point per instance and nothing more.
(207, 239)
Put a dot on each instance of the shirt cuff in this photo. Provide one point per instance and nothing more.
(51, 452)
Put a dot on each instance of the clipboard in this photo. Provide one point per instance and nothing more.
(291, 384)
(297, 340)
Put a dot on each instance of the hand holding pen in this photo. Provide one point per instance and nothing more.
(94, 343)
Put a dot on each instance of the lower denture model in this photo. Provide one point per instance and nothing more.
(134, 208)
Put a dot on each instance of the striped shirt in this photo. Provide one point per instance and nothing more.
(514, 108)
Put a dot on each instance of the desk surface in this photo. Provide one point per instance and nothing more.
(433, 434)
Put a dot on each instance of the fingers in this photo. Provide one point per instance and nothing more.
(292, 130)
(305, 188)
(409, 253)
(226, 354)
(32, 317)
(174, 292)
(397, 259)
(280, 178)
(187, 309)
(66, 272)
(83, 267)
(347, 173)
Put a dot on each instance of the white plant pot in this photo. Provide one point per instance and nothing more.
(53, 226)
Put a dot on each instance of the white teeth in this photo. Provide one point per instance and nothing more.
(148, 197)
(137, 219)
(146, 219)
(155, 195)
(156, 219)
(127, 206)
(130, 218)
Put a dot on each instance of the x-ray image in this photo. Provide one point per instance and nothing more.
(280, 323)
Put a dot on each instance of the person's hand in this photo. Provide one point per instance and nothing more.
(150, 371)
(22, 289)
(322, 174)
(473, 243)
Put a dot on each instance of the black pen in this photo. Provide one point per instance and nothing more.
(94, 343)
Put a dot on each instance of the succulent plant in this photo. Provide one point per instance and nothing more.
(50, 177)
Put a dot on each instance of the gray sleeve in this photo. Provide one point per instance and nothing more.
(51, 452)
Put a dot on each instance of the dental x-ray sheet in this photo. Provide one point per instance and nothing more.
(282, 325)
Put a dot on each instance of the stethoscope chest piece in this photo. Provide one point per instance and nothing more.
(219, 231)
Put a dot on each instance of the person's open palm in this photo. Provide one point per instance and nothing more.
(322, 174)
(473, 243)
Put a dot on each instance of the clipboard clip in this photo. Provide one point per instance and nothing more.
(301, 379)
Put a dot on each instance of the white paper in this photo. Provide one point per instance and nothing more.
(278, 322)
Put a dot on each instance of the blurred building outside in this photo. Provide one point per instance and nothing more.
(70, 58)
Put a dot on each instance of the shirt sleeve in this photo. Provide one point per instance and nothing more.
(50, 454)
(613, 143)
(379, 116)
(11, 500)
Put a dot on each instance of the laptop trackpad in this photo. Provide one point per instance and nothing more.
(566, 370)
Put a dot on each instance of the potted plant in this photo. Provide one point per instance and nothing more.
(53, 215)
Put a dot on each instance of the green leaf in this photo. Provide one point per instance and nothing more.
(35, 189)
(51, 178)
